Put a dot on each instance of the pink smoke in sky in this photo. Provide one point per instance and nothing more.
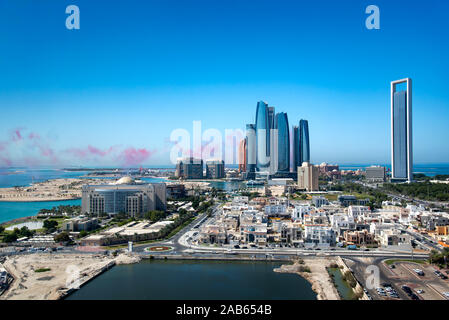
(132, 156)
(31, 141)
(16, 135)
(125, 156)
(90, 151)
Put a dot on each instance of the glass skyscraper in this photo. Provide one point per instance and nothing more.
(295, 150)
(273, 152)
(283, 142)
(304, 146)
(251, 153)
(262, 137)
(401, 132)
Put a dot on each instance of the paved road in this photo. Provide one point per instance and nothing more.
(402, 274)
(402, 197)
(174, 241)
(359, 269)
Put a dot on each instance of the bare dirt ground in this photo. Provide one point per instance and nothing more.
(49, 285)
(319, 277)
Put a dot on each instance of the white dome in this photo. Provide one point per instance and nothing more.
(125, 180)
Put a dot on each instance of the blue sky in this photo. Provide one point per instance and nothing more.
(112, 92)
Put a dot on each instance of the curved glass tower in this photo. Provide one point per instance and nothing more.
(304, 146)
(262, 137)
(283, 148)
(295, 150)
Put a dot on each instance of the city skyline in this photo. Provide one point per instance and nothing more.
(107, 98)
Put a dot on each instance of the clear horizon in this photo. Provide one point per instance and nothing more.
(111, 93)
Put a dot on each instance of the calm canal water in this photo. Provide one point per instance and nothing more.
(195, 280)
(343, 288)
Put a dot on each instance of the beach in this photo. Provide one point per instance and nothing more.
(318, 276)
(51, 190)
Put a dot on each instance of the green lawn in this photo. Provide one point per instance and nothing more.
(331, 197)
(392, 261)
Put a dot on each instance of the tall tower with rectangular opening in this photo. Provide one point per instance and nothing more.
(401, 131)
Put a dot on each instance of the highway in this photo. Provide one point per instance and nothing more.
(402, 197)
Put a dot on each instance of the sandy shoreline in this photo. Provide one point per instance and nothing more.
(50, 190)
(40, 199)
(318, 276)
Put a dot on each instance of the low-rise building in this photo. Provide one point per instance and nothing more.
(358, 211)
(255, 233)
(348, 200)
(176, 191)
(134, 231)
(213, 234)
(395, 240)
(189, 168)
(319, 201)
(375, 174)
(359, 237)
(319, 236)
(80, 224)
(215, 169)
(292, 232)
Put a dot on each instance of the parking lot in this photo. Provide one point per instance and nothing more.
(427, 286)
(420, 278)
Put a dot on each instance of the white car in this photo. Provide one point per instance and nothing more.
(446, 294)
(420, 291)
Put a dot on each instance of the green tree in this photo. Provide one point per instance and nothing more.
(25, 232)
(83, 234)
(155, 215)
(62, 237)
(10, 237)
(50, 225)
(195, 203)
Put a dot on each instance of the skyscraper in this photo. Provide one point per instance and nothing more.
(274, 144)
(304, 146)
(401, 132)
(243, 155)
(308, 177)
(271, 117)
(283, 143)
(301, 145)
(251, 154)
(295, 149)
(262, 137)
